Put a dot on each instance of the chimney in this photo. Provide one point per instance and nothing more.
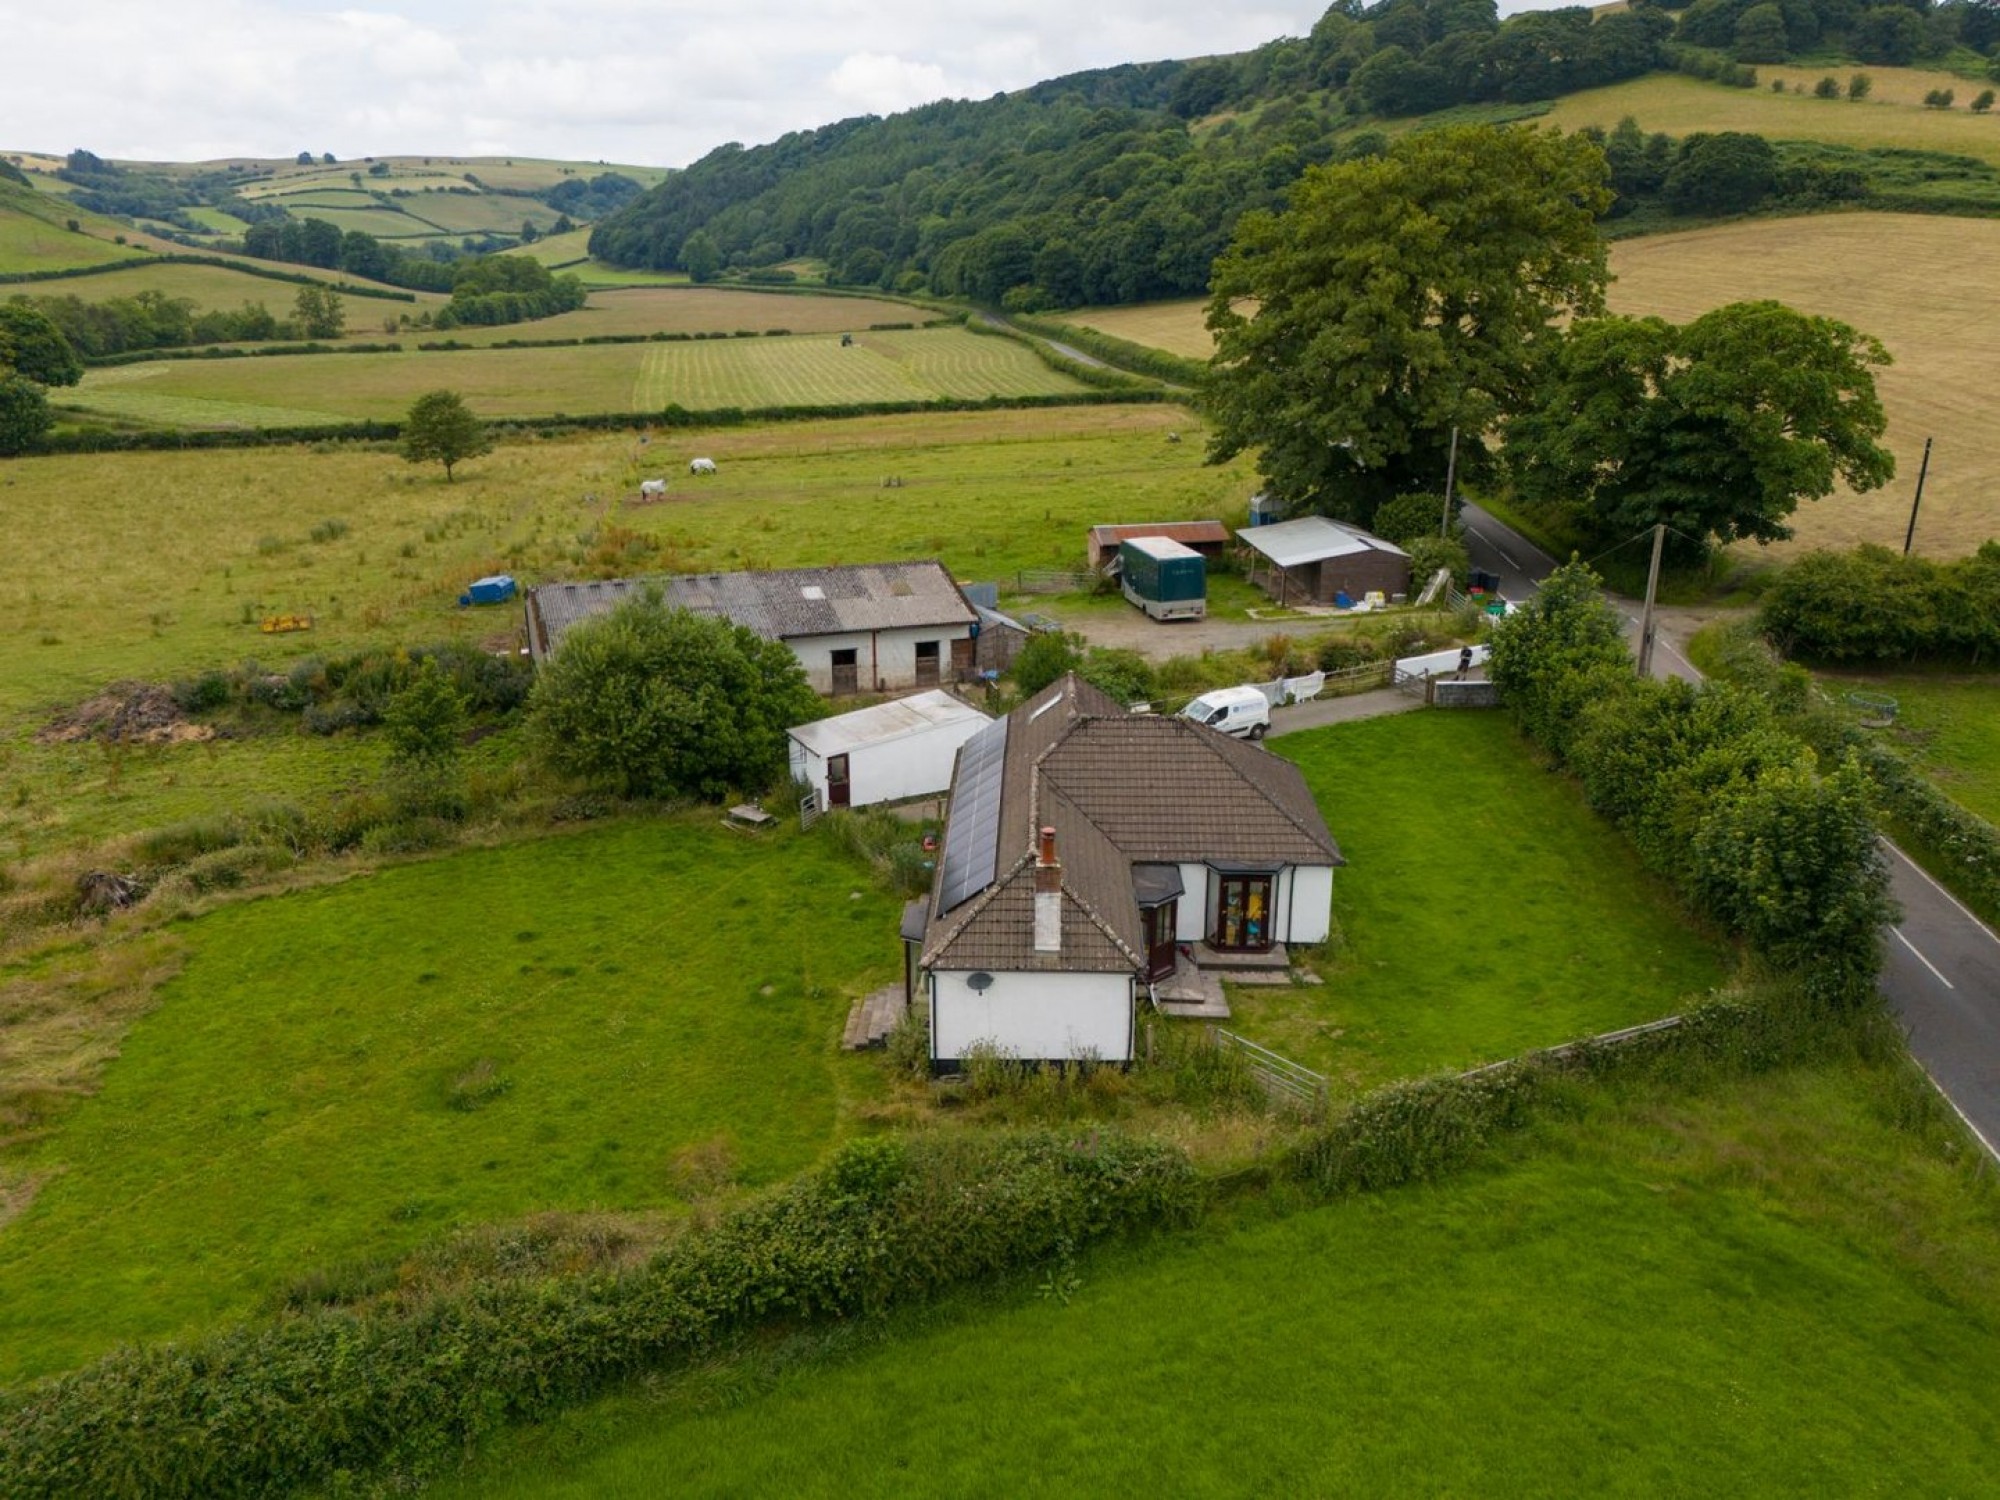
(1048, 895)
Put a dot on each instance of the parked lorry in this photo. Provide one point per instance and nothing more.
(1167, 580)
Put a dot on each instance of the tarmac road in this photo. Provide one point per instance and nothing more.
(1942, 966)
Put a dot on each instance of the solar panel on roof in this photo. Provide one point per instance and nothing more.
(972, 845)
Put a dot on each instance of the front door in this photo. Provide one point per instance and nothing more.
(1160, 922)
(1243, 913)
(927, 663)
(837, 791)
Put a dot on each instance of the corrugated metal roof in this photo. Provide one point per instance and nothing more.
(1311, 539)
(1160, 546)
(779, 605)
(1206, 533)
(884, 722)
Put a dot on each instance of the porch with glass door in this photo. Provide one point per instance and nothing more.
(1242, 913)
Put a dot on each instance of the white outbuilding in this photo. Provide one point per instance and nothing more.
(885, 753)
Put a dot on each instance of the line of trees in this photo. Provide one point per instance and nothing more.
(34, 355)
(507, 289)
(1873, 605)
(154, 320)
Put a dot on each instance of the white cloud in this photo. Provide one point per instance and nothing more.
(875, 84)
(619, 80)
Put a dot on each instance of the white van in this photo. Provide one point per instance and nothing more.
(1242, 711)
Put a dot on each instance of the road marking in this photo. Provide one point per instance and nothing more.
(1931, 881)
(1964, 1118)
(1921, 959)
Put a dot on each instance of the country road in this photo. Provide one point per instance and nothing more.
(1942, 964)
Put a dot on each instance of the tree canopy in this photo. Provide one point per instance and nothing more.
(32, 346)
(1719, 428)
(1398, 297)
(441, 428)
(24, 414)
(655, 701)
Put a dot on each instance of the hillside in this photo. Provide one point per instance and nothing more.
(1120, 185)
(35, 236)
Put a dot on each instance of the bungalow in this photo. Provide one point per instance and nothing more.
(1313, 560)
(1091, 852)
(878, 628)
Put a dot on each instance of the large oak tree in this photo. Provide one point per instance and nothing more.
(1398, 297)
(1718, 429)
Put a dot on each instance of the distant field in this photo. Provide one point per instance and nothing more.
(157, 564)
(34, 234)
(692, 309)
(1892, 116)
(289, 1103)
(527, 382)
(1907, 279)
(1176, 327)
(218, 287)
(559, 249)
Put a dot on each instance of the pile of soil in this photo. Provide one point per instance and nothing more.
(132, 713)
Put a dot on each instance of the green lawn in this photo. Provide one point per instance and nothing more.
(640, 989)
(1949, 725)
(804, 370)
(1773, 1291)
(1485, 910)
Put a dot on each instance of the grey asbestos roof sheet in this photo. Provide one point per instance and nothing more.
(1311, 539)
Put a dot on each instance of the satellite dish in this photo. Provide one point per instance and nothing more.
(979, 983)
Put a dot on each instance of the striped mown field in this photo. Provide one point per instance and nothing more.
(815, 370)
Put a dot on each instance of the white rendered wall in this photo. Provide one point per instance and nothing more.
(1191, 915)
(1034, 1016)
(887, 657)
(915, 765)
(1311, 916)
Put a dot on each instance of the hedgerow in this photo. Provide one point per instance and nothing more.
(1873, 605)
(1774, 843)
(410, 1380)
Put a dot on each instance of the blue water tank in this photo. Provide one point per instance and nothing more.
(497, 589)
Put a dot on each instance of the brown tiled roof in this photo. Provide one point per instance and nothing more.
(1119, 789)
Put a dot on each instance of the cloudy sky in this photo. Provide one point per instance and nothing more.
(656, 82)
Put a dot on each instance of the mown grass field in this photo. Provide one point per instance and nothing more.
(1908, 280)
(1893, 115)
(1949, 725)
(1484, 910)
(626, 994)
(693, 309)
(1769, 1290)
(1176, 327)
(808, 369)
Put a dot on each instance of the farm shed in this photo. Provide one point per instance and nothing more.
(1091, 853)
(1000, 636)
(1313, 560)
(1209, 538)
(880, 628)
(885, 753)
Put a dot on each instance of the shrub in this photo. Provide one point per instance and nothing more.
(1859, 86)
(1939, 99)
(1982, 101)
(1339, 652)
(1827, 88)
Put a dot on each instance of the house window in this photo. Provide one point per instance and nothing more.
(927, 663)
(847, 670)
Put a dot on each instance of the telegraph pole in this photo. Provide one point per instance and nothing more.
(1652, 589)
(1451, 474)
(1923, 469)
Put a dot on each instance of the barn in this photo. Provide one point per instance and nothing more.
(886, 753)
(1209, 538)
(1091, 854)
(872, 628)
(1314, 560)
